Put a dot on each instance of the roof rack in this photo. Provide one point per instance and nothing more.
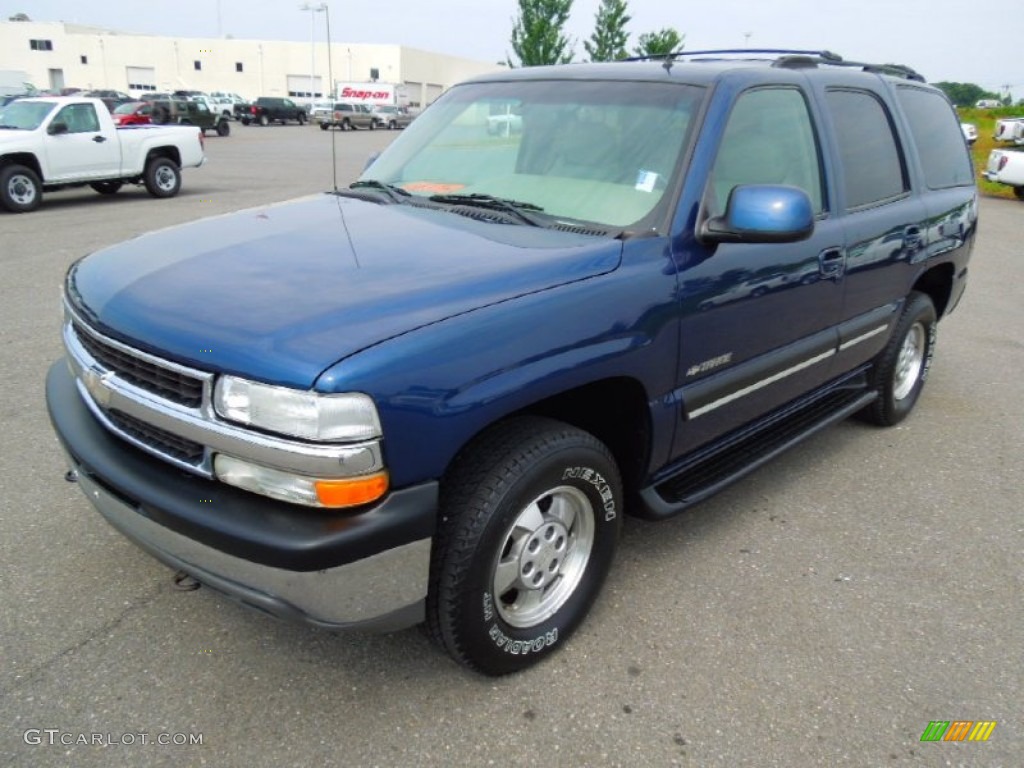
(789, 59)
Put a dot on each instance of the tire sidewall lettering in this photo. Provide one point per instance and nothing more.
(602, 487)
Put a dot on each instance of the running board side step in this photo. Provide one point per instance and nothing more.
(726, 461)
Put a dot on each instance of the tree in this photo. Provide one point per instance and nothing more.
(537, 34)
(608, 43)
(660, 43)
(19, 17)
(966, 94)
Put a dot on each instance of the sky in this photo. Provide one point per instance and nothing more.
(942, 39)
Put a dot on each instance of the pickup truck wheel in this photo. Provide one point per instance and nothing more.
(162, 177)
(901, 369)
(243, 120)
(530, 517)
(1019, 192)
(373, 125)
(392, 125)
(264, 121)
(106, 187)
(301, 118)
(223, 128)
(324, 126)
(20, 189)
(346, 125)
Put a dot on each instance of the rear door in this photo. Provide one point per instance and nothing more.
(885, 221)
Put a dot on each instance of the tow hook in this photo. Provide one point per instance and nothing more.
(185, 583)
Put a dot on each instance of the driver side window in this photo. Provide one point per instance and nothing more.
(769, 139)
(79, 118)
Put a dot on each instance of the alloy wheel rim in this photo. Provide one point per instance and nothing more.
(543, 556)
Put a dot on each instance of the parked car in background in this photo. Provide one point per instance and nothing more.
(970, 131)
(50, 143)
(391, 117)
(132, 113)
(225, 102)
(1009, 129)
(1006, 166)
(321, 111)
(272, 109)
(348, 117)
(195, 113)
(112, 99)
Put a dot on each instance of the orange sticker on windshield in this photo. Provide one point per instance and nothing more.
(434, 187)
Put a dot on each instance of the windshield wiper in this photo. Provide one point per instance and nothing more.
(4, 127)
(515, 208)
(395, 193)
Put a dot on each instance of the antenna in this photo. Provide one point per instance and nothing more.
(330, 78)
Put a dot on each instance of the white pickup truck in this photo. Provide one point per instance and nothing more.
(1006, 166)
(50, 143)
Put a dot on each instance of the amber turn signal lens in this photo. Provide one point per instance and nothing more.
(352, 492)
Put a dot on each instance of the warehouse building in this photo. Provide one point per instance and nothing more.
(56, 55)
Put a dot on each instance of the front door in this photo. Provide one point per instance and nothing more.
(84, 151)
(759, 320)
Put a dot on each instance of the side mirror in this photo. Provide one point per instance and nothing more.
(57, 128)
(762, 213)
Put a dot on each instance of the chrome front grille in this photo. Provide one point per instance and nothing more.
(166, 409)
(167, 383)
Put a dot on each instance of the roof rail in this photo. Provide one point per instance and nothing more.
(789, 59)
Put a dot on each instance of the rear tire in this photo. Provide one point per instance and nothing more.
(162, 177)
(324, 126)
(264, 121)
(301, 118)
(901, 369)
(20, 189)
(1019, 192)
(223, 128)
(530, 518)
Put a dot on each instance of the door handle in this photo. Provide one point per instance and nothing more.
(831, 263)
(99, 139)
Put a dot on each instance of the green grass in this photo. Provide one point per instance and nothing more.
(985, 119)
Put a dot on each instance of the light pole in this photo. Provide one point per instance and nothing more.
(313, 11)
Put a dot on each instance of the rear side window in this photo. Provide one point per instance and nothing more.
(938, 137)
(873, 170)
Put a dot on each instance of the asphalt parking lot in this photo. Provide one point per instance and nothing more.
(820, 613)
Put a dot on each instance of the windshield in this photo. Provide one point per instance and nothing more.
(591, 151)
(25, 114)
(129, 108)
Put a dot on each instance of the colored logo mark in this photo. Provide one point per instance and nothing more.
(958, 730)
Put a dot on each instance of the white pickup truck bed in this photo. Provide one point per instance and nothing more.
(1006, 166)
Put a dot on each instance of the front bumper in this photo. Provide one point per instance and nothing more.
(335, 569)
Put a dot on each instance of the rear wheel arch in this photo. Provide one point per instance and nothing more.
(937, 284)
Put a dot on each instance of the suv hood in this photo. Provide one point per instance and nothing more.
(279, 294)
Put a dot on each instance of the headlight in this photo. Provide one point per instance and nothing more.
(308, 415)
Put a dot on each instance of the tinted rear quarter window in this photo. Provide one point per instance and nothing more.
(872, 165)
(938, 137)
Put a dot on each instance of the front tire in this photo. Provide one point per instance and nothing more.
(901, 369)
(162, 177)
(20, 189)
(1019, 192)
(301, 118)
(223, 128)
(530, 518)
(264, 121)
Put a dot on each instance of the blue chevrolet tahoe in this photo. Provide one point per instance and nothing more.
(432, 396)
